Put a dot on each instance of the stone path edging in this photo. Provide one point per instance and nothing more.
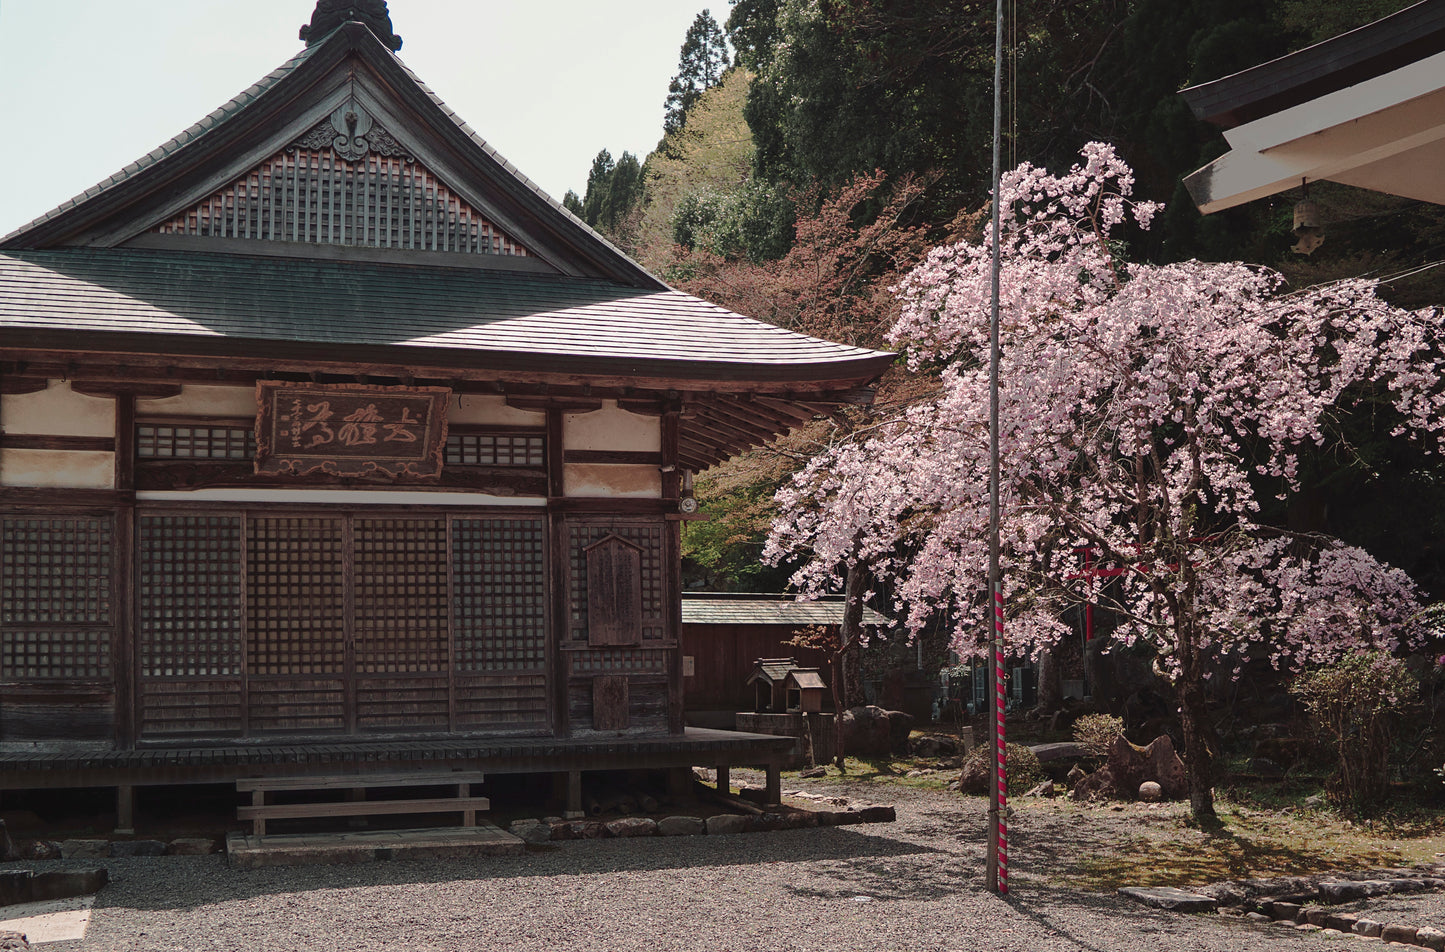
(1303, 902)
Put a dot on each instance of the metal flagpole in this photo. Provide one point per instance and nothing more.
(998, 785)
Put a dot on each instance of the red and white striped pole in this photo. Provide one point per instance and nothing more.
(1000, 693)
(997, 867)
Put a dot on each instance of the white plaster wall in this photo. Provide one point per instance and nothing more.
(203, 401)
(472, 408)
(612, 428)
(57, 469)
(57, 411)
(618, 481)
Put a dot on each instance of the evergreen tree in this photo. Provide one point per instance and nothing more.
(599, 185)
(572, 202)
(701, 66)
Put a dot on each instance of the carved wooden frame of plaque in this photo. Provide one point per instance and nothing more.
(350, 430)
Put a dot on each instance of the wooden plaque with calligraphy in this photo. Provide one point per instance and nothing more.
(350, 430)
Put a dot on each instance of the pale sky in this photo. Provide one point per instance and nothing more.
(88, 86)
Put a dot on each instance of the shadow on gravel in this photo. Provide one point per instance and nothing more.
(192, 882)
(1060, 912)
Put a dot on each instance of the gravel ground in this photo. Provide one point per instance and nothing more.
(915, 885)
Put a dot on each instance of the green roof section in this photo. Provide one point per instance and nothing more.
(187, 302)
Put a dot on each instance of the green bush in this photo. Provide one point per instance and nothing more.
(1355, 705)
(1096, 733)
(1024, 770)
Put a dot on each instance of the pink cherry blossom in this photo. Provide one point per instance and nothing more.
(1143, 409)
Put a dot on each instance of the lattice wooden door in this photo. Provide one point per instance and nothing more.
(256, 624)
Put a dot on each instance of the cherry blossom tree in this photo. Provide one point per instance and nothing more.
(1146, 413)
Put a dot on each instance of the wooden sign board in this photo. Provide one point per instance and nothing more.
(350, 430)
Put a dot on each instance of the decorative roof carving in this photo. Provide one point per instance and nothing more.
(351, 133)
(330, 14)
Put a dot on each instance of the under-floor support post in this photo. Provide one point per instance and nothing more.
(775, 784)
(125, 810)
(724, 779)
(574, 795)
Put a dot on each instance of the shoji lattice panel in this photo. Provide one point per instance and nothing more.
(295, 595)
(173, 441)
(190, 596)
(315, 196)
(55, 614)
(649, 540)
(500, 594)
(401, 595)
(496, 449)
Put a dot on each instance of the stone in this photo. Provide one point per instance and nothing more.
(1316, 915)
(870, 731)
(13, 942)
(64, 884)
(1256, 917)
(7, 845)
(632, 826)
(1430, 938)
(766, 822)
(1129, 766)
(1053, 753)
(975, 775)
(1368, 928)
(1342, 921)
(1169, 898)
(14, 886)
(726, 823)
(1150, 792)
(121, 849)
(812, 773)
(681, 826)
(1398, 933)
(1045, 789)
(1076, 773)
(1307, 927)
(1264, 768)
(933, 745)
(873, 813)
(84, 849)
(531, 831)
(578, 830)
(191, 846)
(800, 820)
(1284, 910)
(40, 850)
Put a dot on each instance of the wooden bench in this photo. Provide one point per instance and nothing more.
(356, 785)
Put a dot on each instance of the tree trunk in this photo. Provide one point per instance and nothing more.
(1198, 755)
(851, 635)
(1051, 689)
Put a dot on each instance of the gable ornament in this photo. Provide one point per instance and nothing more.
(351, 133)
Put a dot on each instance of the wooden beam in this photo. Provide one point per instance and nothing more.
(11, 384)
(35, 441)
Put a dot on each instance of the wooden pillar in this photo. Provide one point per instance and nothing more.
(557, 570)
(724, 779)
(672, 555)
(123, 578)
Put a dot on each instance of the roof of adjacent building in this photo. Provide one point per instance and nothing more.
(1376, 48)
(706, 608)
(1365, 108)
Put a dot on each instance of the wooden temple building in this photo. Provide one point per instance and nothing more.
(330, 444)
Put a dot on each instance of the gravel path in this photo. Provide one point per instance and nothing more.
(914, 885)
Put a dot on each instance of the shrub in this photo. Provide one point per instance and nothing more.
(1355, 705)
(1096, 733)
(1024, 770)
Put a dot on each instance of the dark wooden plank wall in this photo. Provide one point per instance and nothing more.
(723, 657)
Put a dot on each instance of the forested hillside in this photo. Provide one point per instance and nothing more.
(813, 150)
